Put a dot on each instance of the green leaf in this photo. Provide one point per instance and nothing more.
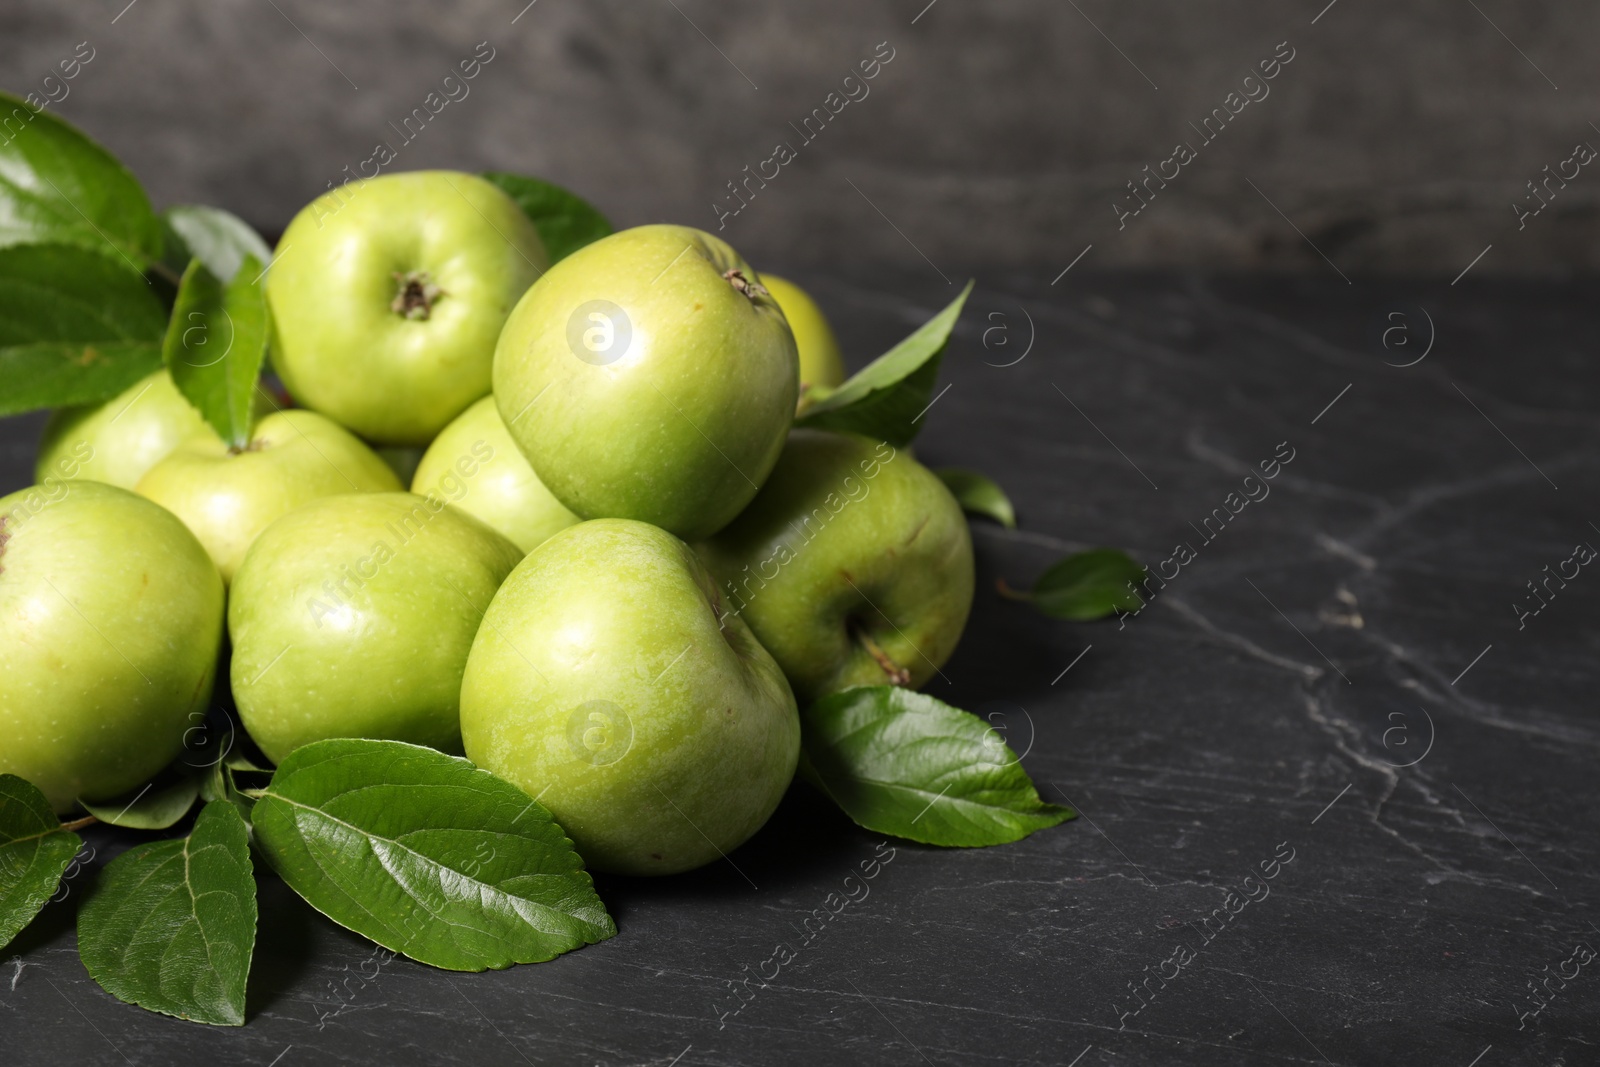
(74, 327)
(978, 495)
(34, 850)
(1089, 585)
(59, 187)
(171, 926)
(427, 855)
(888, 396)
(565, 222)
(215, 344)
(900, 762)
(220, 781)
(217, 238)
(155, 806)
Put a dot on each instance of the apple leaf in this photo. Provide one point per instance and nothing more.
(220, 782)
(565, 222)
(155, 806)
(59, 187)
(74, 327)
(34, 850)
(1089, 585)
(427, 855)
(887, 398)
(217, 238)
(171, 925)
(903, 763)
(978, 495)
(215, 344)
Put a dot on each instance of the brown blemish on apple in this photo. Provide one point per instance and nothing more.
(416, 295)
(736, 278)
(918, 531)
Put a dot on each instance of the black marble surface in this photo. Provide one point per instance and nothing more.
(1340, 674)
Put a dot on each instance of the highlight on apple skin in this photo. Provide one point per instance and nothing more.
(113, 625)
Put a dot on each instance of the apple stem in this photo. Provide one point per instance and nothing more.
(898, 675)
(79, 824)
(736, 278)
(1009, 593)
(415, 296)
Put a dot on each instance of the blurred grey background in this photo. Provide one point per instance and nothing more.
(1398, 138)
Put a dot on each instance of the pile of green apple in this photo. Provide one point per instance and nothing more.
(556, 595)
(656, 552)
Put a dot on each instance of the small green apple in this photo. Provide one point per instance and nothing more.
(475, 465)
(227, 498)
(606, 683)
(118, 440)
(352, 616)
(820, 361)
(649, 376)
(387, 295)
(113, 621)
(853, 566)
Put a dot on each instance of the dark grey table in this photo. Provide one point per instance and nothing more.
(1339, 676)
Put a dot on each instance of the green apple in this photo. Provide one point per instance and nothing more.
(227, 498)
(853, 566)
(606, 682)
(649, 376)
(352, 617)
(117, 440)
(387, 295)
(820, 361)
(112, 623)
(475, 465)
